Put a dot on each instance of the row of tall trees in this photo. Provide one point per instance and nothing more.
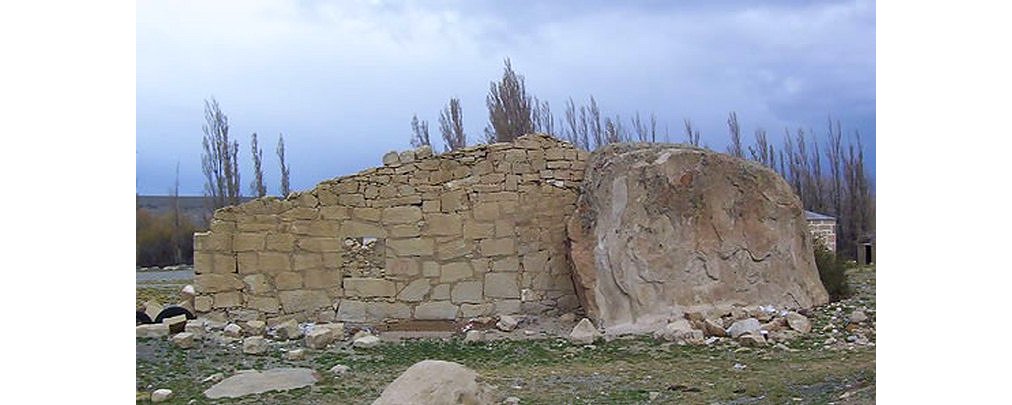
(829, 176)
(220, 161)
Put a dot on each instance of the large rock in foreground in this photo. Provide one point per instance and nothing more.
(256, 382)
(436, 382)
(661, 230)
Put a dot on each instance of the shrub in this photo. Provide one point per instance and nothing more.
(160, 242)
(831, 272)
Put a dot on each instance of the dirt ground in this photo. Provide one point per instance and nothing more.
(819, 368)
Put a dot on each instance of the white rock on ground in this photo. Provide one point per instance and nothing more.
(584, 333)
(254, 328)
(232, 330)
(339, 369)
(295, 355)
(511, 401)
(319, 338)
(474, 336)
(436, 382)
(288, 330)
(188, 293)
(858, 316)
(254, 345)
(366, 342)
(161, 395)
(176, 323)
(752, 339)
(183, 340)
(154, 330)
(681, 332)
(798, 322)
(506, 323)
(213, 378)
(256, 382)
(743, 326)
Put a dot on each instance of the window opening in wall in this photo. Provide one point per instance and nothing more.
(364, 257)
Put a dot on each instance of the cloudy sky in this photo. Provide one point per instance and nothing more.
(341, 80)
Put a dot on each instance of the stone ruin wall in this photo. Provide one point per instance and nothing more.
(477, 231)
(824, 231)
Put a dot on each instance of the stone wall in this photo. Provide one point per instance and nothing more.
(478, 231)
(824, 230)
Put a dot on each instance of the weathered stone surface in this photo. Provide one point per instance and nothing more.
(212, 283)
(154, 330)
(506, 323)
(319, 338)
(412, 247)
(857, 316)
(254, 328)
(365, 342)
(288, 330)
(713, 328)
(743, 326)
(161, 395)
(256, 382)
(339, 369)
(415, 291)
(254, 345)
(295, 355)
(662, 230)
(176, 323)
(501, 285)
(466, 291)
(436, 382)
(369, 287)
(435, 310)
(584, 333)
(798, 322)
(451, 272)
(303, 300)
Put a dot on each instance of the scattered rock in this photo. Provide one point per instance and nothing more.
(774, 325)
(365, 342)
(798, 322)
(713, 328)
(584, 333)
(254, 345)
(319, 338)
(752, 339)
(295, 355)
(161, 395)
(152, 330)
(177, 324)
(152, 308)
(511, 401)
(473, 336)
(339, 369)
(743, 326)
(567, 318)
(436, 382)
(254, 328)
(680, 332)
(256, 382)
(506, 323)
(233, 331)
(858, 316)
(213, 378)
(654, 395)
(183, 340)
(423, 152)
(288, 330)
(851, 339)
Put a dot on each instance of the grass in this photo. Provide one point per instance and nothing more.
(549, 371)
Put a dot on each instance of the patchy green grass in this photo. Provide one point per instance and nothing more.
(547, 371)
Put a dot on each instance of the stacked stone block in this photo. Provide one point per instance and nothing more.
(477, 231)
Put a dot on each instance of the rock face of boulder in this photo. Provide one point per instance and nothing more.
(662, 230)
(436, 382)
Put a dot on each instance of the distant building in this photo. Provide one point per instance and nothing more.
(866, 249)
(823, 228)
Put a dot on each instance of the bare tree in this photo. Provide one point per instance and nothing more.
(572, 129)
(419, 132)
(732, 125)
(542, 119)
(762, 152)
(257, 186)
(219, 160)
(613, 131)
(509, 108)
(177, 251)
(691, 134)
(834, 152)
(642, 134)
(594, 124)
(285, 189)
(451, 125)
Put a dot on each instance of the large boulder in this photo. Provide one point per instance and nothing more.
(436, 382)
(664, 230)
